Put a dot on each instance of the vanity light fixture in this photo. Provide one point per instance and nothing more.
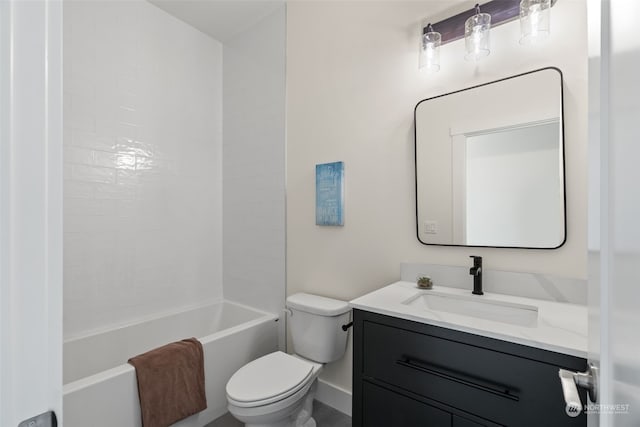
(430, 50)
(474, 25)
(476, 35)
(534, 20)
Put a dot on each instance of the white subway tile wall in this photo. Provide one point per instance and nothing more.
(142, 164)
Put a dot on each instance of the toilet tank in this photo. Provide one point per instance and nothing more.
(316, 326)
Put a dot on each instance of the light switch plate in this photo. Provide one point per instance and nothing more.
(430, 227)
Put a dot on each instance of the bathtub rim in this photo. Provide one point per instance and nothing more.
(155, 316)
(125, 367)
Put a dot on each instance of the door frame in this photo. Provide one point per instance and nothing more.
(31, 175)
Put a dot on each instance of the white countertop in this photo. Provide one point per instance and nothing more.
(560, 327)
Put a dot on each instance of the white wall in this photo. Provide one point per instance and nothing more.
(143, 164)
(254, 165)
(352, 84)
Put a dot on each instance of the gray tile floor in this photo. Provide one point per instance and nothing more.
(324, 415)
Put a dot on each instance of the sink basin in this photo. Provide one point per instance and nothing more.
(476, 306)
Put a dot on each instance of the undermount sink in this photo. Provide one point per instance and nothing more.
(476, 306)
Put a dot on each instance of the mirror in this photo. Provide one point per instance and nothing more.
(490, 164)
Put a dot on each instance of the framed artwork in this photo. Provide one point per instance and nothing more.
(330, 194)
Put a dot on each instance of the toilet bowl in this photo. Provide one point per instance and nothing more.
(277, 390)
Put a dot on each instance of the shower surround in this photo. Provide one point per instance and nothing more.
(143, 165)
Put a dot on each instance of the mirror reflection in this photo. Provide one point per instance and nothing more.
(492, 173)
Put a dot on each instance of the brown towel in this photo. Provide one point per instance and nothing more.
(170, 382)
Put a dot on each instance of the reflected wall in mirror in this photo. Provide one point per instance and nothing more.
(490, 164)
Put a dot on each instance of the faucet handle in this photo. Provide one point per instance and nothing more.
(477, 260)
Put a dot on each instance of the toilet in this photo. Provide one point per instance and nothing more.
(277, 390)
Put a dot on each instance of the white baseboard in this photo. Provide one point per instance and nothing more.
(334, 396)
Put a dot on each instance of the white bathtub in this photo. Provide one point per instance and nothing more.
(100, 386)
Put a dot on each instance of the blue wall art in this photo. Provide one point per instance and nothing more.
(330, 194)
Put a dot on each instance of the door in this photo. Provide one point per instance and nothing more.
(30, 209)
(614, 210)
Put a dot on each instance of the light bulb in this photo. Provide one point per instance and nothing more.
(476, 36)
(430, 50)
(534, 20)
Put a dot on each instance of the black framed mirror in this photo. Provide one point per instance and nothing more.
(489, 164)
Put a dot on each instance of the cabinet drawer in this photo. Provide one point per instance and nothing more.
(384, 408)
(506, 389)
(463, 422)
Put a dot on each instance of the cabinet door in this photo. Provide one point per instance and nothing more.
(384, 408)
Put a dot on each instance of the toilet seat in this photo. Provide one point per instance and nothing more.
(269, 379)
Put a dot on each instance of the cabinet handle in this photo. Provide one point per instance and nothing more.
(493, 388)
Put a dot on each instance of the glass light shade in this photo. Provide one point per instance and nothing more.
(534, 20)
(430, 52)
(476, 36)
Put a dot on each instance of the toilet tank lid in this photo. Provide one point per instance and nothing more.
(316, 304)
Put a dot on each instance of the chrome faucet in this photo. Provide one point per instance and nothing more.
(476, 272)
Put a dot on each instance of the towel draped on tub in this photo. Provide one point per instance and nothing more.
(170, 382)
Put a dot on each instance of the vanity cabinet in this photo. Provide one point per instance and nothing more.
(413, 374)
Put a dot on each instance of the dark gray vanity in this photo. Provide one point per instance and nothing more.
(408, 373)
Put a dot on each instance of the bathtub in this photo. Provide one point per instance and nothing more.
(100, 388)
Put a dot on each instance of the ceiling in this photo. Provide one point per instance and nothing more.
(224, 19)
(221, 19)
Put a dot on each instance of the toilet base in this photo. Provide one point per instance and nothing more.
(304, 418)
(300, 415)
